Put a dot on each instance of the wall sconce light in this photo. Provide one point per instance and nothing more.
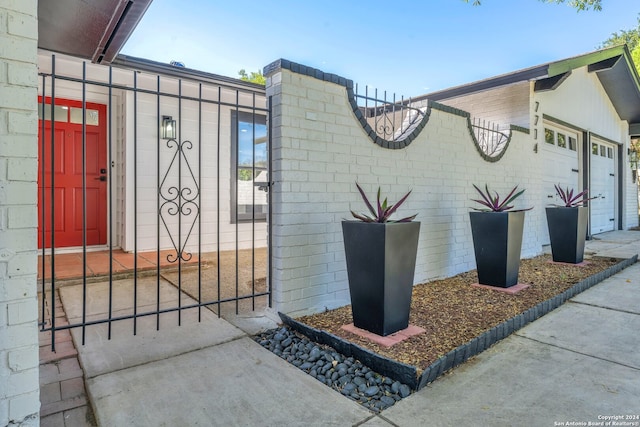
(168, 128)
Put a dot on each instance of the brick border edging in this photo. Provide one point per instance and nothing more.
(348, 84)
(294, 67)
(408, 375)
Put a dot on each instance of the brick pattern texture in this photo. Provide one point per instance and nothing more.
(320, 150)
(19, 393)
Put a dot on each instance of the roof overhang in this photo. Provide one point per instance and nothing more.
(613, 67)
(89, 29)
(620, 80)
(147, 65)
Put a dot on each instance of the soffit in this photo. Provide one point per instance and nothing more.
(89, 29)
(620, 81)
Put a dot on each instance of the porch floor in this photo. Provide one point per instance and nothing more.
(71, 265)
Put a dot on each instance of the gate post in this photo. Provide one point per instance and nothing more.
(19, 365)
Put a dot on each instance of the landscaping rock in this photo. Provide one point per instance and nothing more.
(347, 375)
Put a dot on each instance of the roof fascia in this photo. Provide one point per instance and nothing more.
(550, 83)
(561, 67)
(142, 64)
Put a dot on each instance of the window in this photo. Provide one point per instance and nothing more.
(594, 148)
(61, 112)
(562, 141)
(248, 167)
(603, 151)
(572, 144)
(610, 152)
(549, 136)
(91, 116)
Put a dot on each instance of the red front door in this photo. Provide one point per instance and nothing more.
(77, 204)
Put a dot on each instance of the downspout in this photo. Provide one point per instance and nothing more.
(620, 182)
(586, 174)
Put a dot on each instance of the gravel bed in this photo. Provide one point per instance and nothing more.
(344, 374)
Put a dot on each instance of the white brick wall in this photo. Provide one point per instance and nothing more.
(320, 150)
(19, 389)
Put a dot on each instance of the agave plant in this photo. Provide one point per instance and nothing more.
(383, 211)
(569, 199)
(494, 203)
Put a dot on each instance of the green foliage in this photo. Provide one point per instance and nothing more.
(635, 55)
(630, 37)
(254, 77)
(245, 175)
(577, 4)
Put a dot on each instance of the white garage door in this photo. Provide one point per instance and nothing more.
(561, 164)
(603, 185)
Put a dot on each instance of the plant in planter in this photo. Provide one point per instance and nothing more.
(497, 237)
(381, 258)
(568, 226)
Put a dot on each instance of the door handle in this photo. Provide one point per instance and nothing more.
(262, 186)
(101, 178)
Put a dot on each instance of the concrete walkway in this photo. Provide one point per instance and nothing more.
(579, 363)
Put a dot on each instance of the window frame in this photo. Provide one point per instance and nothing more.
(254, 118)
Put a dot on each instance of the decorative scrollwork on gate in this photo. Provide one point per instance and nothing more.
(179, 197)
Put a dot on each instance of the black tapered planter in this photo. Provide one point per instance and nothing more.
(381, 261)
(568, 232)
(497, 242)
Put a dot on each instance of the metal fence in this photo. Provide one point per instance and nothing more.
(392, 119)
(153, 181)
(490, 137)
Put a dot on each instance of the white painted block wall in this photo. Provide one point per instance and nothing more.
(19, 385)
(320, 150)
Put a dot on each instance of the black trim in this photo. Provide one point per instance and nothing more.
(604, 65)
(503, 80)
(258, 119)
(141, 64)
(351, 96)
(550, 83)
(562, 123)
(620, 182)
(605, 139)
(586, 172)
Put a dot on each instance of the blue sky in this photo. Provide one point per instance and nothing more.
(408, 48)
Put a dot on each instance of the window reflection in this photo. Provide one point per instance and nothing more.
(549, 136)
(249, 200)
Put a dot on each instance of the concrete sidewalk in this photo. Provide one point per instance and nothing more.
(579, 363)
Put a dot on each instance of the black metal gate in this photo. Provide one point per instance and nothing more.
(153, 181)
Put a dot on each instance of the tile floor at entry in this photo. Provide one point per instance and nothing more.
(71, 266)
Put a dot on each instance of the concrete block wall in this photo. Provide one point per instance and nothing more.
(19, 386)
(319, 151)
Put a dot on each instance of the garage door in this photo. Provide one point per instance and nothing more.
(603, 185)
(561, 165)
